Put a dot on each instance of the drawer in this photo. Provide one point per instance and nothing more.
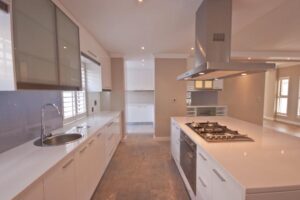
(204, 176)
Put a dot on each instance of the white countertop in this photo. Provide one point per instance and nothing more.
(23, 165)
(271, 163)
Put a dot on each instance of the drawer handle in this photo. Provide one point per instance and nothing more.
(110, 137)
(91, 142)
(109, 125)
(203, 157)
(68, 163)
(83, 150)
(202, 182)
(219, 175)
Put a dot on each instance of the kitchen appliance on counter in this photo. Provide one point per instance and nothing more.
(214, 132)
(188, 155)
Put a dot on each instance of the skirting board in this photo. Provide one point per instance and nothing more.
(288, 121)
(161, 138)
(269, 118)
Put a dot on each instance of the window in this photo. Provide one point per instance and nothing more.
(282, 97)
(74, 102)
(299, 100)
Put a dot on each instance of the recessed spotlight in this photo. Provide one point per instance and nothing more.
(143, 60)
(140, 1)
(201, 73)
(192, 48)
(244, 74)
(65, 47)
(249, 58)
(289, 58)
(143, 48)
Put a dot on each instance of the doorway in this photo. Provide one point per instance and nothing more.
(139, 86)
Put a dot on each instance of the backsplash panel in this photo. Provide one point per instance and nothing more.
(20, 116)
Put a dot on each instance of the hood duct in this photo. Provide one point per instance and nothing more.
(213, 45)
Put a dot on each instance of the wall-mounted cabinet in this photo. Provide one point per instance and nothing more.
(93, 74)
(44, 50)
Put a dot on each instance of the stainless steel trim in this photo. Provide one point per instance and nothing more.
(202, 182)
(202, 156)
(68, 163)
(219, 175)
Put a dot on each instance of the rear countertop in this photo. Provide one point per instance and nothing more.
(22, 166)
(269, 164)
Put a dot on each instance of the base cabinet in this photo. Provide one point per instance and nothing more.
(175, 142)
(77, 176)
(59, 183)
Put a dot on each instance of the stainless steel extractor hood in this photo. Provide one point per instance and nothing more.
(213, 45)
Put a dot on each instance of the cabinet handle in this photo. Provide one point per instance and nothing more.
(109, 125)
(110, 137)
(219, 175)
(91, 142)
(83, 150)
(203, 157)
(68, 163)
(202, 182)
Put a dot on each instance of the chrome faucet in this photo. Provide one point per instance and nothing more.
(43, 127)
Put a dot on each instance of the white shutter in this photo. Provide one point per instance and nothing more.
(74, 102)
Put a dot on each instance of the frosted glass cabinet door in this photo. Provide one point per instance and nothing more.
(68, 51)
(35, 41)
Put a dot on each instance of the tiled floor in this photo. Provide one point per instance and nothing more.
(283, 127)
(140, 128)
(141, 169)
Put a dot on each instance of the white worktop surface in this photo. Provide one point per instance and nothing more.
(271, 163)
(21, 166)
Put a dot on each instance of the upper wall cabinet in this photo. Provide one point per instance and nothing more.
(46, 47)
(90, 47)
(68, 51)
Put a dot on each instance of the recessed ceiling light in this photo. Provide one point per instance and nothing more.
(249, 58)
(143, 48)
(140, 1)
(201, 73)
(65, 47)
(243, 74)
(192, 48)
(143, 60)
(289, 58)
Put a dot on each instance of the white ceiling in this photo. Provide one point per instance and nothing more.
(260, 27)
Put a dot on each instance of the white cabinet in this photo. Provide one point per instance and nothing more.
(59, 183)
(140, 113)
(90, 47)
(100, 154)
(34, 192)
(83, 173)
(142, 75)
(175, 142)
(212, 182)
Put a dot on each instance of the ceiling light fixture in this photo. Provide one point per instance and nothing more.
(143, 48)
(249, 58)
(192, 48)
(140, 1)
(243, 74)
(143, 60)
(201, 73)
(65, 47)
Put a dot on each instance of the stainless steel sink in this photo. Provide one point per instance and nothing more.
(58, 139)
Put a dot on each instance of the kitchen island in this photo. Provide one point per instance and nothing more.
(265, 169)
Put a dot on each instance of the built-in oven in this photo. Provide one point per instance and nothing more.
(188, 153)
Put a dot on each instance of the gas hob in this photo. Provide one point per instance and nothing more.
(214, 132)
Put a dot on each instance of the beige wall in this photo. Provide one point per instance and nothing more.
(293, 73)
(168, 89)
(270, 94)
(118, 88)
(244, 96)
